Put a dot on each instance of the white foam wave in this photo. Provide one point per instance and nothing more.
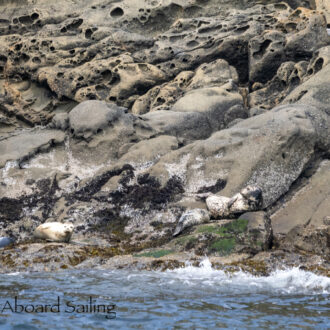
(285, 281)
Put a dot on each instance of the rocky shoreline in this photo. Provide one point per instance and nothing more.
(120, 117)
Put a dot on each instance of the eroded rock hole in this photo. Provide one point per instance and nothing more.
(25, 20)
(34, 16)
(242, 29)
(36, 60)
(192, 43)
(75, 24)
(88, 33)
(106, 75)
(25, 57)
(280, 6)
(262, 48)
(318, 64)
(117, 12)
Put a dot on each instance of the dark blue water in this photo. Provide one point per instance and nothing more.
(188, 298)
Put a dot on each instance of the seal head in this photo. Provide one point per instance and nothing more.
(253, 195)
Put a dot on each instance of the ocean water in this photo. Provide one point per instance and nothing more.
(185, 298)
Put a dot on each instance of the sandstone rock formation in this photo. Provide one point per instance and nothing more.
(121, 117)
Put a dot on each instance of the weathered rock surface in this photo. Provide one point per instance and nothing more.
(270, 151)
(122, 117)
(323, 6)
(18, 147)
(308, 206)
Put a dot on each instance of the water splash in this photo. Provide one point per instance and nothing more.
(284, 281)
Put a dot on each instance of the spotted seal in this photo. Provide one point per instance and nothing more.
(191, 218)
(248, 199)
(54, 231)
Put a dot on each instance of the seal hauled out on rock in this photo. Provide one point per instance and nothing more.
(248, 199)
(191, 218)
(54, 231)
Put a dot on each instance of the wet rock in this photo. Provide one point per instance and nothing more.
(310, 239)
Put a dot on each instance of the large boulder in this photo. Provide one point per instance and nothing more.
(259, 229)
(270, 151)
(199, 112)
(91, 117)
(308, 206)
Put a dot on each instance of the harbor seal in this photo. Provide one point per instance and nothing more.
(54, 231)
(191, 218)
(248, 199)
